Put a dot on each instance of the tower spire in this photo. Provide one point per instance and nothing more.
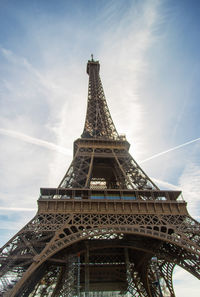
(101, 157)
(98, 122)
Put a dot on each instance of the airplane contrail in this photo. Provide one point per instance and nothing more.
(169, 150)
(36, 141)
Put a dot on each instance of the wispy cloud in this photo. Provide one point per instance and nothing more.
(125, 65)
(181, 280)
(18, 209)
(166, 185)
(22, 62)
(189, 182)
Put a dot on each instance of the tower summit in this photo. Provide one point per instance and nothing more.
(98, 121)
(107, 229)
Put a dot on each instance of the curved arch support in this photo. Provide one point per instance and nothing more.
(68, 235)
(62, 239)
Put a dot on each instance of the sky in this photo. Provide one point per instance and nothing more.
(150, 69)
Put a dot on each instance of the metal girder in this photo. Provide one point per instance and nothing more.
(95, 235)
(100, 168)
(108, 227)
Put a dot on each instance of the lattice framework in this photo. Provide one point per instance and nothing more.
(96, 234)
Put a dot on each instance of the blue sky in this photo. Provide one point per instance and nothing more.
(150, 68)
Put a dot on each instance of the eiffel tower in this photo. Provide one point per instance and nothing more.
(107, 229)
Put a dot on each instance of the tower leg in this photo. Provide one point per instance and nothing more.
(134, 284)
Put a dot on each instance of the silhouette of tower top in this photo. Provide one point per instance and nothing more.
(98, 123)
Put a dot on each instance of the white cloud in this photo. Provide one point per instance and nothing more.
(166, 185)
(124, 67)
(189, 182)
(17, 209)
(185, 284)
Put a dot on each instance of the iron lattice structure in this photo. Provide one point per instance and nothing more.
(97, 233)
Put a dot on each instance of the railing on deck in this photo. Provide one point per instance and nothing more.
(61, 193)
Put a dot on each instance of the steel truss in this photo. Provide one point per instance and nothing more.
(174, 239)
(97, 233)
